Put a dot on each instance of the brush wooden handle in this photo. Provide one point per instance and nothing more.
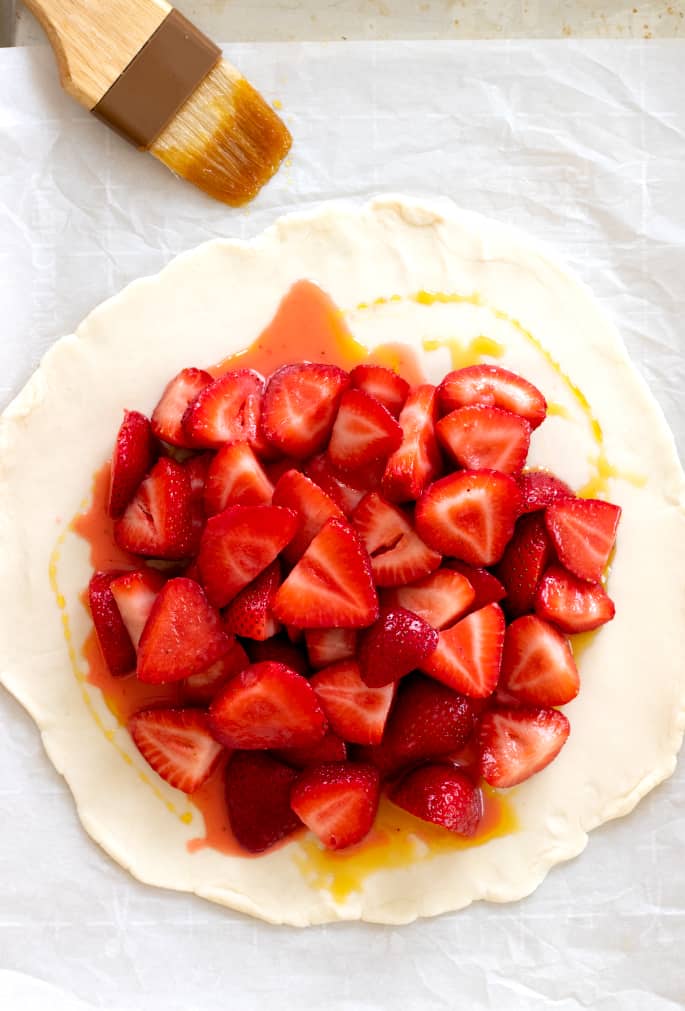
(95, 40)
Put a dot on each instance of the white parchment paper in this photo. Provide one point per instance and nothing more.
(581, 144)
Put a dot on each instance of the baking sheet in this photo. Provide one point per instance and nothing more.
(582, 144)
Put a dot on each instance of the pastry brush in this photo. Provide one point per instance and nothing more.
(147, 72)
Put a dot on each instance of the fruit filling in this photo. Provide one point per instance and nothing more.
(348, 587)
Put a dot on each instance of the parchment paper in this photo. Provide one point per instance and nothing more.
(581, 144)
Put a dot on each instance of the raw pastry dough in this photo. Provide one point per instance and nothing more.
(628, 721)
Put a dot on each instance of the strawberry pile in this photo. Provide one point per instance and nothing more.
(356, 587)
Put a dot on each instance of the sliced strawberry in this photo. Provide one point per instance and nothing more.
(470, 514)
(583, 531)
(313, 508)
(398, 555)
(267, 706)
(182, 636)
(428, 720)
(396, 644)
(355, 712)
(238, 544)
(236, 477)
(363, 432)
(299, 408)
(280, 650)
(443, 795)
(258, 800)
(167, 416)
(330, 748)
(418, 460)
(331, 585)
(135, 593)
(383, 384)
(570, 603)
(469, 654)
(131, 460)
(275, 469)
(330, 645)
(440, 599)
(177, 744)
(487, 588)
(157, 521)
(196, 467)
(337, 801)
(227, 410)
(524, 561)
(201, 688)
(492, 386)
(322, 473)
(517, 743)
(115, 643)
(485, 437)
(537, 663)
(250, 613)
(540, 489)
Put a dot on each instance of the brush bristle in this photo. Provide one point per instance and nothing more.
(225, 139)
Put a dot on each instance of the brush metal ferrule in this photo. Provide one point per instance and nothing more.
(158, 81)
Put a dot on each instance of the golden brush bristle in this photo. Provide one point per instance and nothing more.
(225, 139)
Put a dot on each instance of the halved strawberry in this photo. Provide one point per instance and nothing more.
(537, 663)
(485, 437)
(183, 634)
(167, 416)
(355, 712)
(135, 593)
(572, 604)
(440, 598)
(250, 612)
(469, 654)
(329, 645)
(331, 585)
(523, 563)
(258, 800)
(428, 720)
(330, 748)
(383, 384)
(157, 522)
(470, 514)
(177, 744)
(238, 544)
(337, 801)
(398, 555)
(236, 477)
(267, 705)
(279, 650)
(299, 407)
(202, 687)
(363, 432)
(492, 386)
(583, 531)
(516, 743)
(322, 473)
(131, 459)
(226, 410)
(443, 795)
(115, 643)
(539, 489)
(393, 646)
(418, 460)
(313, 508)
(487, 588)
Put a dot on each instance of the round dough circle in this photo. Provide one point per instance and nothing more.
(627, 723)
